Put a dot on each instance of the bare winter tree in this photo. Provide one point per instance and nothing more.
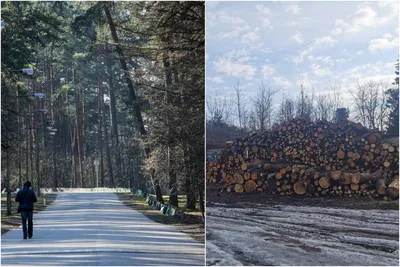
(327, 104)
(287, 109)
(252, 122)
(383, 117)
(335, 88)
(218, 108)
(263, 106)
(304, 105)
(370, 102)
(240, 103)
(323, 106)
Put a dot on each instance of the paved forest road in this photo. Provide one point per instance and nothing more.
(97, 229)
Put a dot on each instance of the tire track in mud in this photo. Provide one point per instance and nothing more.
(295, 236)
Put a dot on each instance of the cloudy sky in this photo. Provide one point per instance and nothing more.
(285, 43)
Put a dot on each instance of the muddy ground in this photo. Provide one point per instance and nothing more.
(237, 199)
(259, 229)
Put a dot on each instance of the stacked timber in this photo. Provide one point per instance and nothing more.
(310, 158)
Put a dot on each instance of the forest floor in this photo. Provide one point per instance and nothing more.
(193, 227)
(258, 229)
(14, 221)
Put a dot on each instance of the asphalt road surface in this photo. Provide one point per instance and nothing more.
(97, 229)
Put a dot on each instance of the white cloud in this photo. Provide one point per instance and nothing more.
(267, 70)
(238, 53)
(295, 9)
(212, 4)
(245, 59)
(382, 44)
(324, 41)
(235, 69)
(298, 38)
(266, 50)
(337, 31)
(251, 37)
(364, 17)
(283, 82)
(359, 52)
(387, 36)
(263, 10)
(328, 61)
(234, 33)
(211, 19)
(265, 13)
(291, 23)
(237, 24)
(379, 72)
(341, 60)
(318, 70)
(216, 79)
(393, 6)
(225, 17)
(384, 3)
(267, 23)
(297, 60)
(305, 80)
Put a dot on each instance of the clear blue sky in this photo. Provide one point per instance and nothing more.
(284, 43)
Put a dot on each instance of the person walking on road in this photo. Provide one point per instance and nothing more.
(26, 197)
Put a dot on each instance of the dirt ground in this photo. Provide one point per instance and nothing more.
(237, 199)
(194, 226)
(258, 229)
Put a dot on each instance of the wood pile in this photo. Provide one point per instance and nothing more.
(310, 158)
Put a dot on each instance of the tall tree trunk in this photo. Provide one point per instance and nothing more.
(8, 184)
(132, 92)
(55, 181)
(32, 138)
(107, 144)
(114, 125)
(109, 162)
(190, 186)
(19, 142)
(78, 126)
(100, 126)
(27, 152)
(74, 152)
(168, 85)
(37, 152)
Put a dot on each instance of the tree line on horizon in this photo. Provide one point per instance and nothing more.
(375, 105)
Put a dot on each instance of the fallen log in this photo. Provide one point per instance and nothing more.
(393, 188)
(299, 188)
(381, 187)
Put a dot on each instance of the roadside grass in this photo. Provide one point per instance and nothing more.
(194, 228)
(14, 220)
(181, 202)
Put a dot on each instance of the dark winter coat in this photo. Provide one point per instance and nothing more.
(26, 197)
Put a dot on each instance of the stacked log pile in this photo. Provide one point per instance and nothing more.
(310, 158)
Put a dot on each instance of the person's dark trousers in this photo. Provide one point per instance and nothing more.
(27, 215)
